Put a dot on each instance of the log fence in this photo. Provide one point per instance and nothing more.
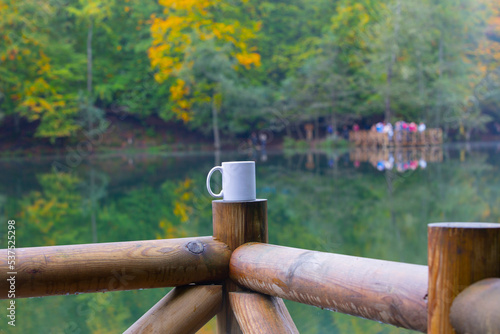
(237, 276)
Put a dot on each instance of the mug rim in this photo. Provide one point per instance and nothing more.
(238, 162)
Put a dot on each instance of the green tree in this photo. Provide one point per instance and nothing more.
(123, 81)
(90, 14)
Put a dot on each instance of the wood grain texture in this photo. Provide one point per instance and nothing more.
(59, 270)
(477, 308)
(459, 254)
(183, 310)
(260, 314)
(389, 292)
(235, 223)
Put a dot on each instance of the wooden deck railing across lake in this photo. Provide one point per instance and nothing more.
(369, 138)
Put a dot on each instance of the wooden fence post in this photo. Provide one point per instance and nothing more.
(236, 223)
(459, 254)
(257, 313)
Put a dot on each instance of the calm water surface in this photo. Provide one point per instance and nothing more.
(371, 204)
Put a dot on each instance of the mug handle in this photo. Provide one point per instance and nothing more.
(219, 168)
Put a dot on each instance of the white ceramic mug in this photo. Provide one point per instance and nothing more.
(238, 181)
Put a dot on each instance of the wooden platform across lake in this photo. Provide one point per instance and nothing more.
(370, 138)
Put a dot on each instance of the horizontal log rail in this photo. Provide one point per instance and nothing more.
(389, 292)
(71, 269)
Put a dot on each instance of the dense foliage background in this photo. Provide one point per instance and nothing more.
(235, 65)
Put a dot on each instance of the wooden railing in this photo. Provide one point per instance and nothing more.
(237, 276)
(370, 138)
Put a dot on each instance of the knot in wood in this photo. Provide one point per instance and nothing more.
(195, 247)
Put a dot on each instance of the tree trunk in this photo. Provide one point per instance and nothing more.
(288, 131)
(421, 88)
(17, 120)
(316, 125)
(387, 114)
(92, 211)
(333, 120)
(440, 73)
(388, 111)
(299, 131)
(89, 74)
(215, 125)
(467, 135)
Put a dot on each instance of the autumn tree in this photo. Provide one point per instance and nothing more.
(37, 65)
(54, 53)
(188, 27)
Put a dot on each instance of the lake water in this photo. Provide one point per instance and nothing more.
(361, 203)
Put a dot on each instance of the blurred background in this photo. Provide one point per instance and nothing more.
(112, 112)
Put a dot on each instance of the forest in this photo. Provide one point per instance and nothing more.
(233, 66)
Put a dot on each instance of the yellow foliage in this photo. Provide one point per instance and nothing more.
(169, 230)
(47, 210)
(178, 90)
(350, 21)
(172, 43)
(209, 328)
(44, 68)
(185, 193)
(183, 104)
(248, 59)
(486, 213)
(180, 210)
(184, 116)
